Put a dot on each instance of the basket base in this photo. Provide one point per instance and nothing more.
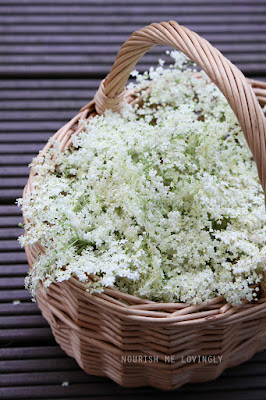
(131, 368)
(169, 378)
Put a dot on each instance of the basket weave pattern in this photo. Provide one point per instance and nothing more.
(108, 333)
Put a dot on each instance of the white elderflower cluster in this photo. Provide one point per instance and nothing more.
(161, 200)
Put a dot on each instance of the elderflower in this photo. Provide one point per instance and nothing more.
(161, 200)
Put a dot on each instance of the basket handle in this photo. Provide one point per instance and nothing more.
(226, 76)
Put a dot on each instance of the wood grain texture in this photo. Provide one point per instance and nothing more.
(53, 55)
(38, 37)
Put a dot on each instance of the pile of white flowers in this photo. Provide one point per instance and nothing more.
(161, 200)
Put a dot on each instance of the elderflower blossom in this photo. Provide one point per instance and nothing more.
(161, 200)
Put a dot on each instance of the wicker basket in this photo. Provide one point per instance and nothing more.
(138, 342)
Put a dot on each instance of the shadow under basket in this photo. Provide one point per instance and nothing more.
(137, 342)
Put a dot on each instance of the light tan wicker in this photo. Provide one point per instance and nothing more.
(104, 331)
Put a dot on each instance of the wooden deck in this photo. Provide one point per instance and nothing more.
(53, 55)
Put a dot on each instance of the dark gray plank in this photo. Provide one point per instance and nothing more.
(13, 257)
(18, 138)
(69, 38)
(22, 148)
(81, 61)
(30, 335)
(48, 378)
(61, 104)
(10, 221)
(13, 182)
(8, 233)
(32, 86)
(91, 9)
(11, 295)
(10, 195)
(18, 309)
(84, 70)
(13, 270)
(56, 377)
(106, 54)
(134, 20)
(12, 283)
(27, 365)
(92, 29)
(36, 39)
(39, 352)
(29, 126)
(21, 322)
(134, 2)
(237, 394)
(9, 210)
(13, 159)
(14, 171)
(57, 391)
(110, 388)
(52, 115)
